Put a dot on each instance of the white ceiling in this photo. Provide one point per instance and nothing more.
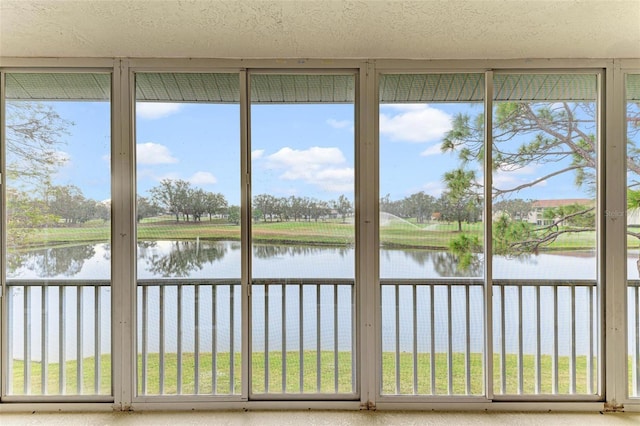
(428, 29)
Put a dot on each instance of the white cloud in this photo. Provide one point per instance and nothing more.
(432, 150)
(513, 175)
(154, 110)
(256, 154)
(154, 153)
(302, 160)
(338, 124)
(434, 189)
(322, 167)
(415, 123)
(203, 178)
(335, 180)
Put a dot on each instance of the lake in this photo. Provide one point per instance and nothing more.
(221, 259)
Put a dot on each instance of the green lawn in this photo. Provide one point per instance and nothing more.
(395, 234)
(310, 379)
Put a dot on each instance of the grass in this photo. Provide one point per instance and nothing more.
(397, 234)
(71, 374)
(311, 384)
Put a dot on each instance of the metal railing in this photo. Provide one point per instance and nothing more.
(303, 336)
(193, 346)
(545, 337)
(189, 336)
(61, 347)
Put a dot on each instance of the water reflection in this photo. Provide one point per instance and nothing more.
(52, 262)
(181, 258)
(261, 251)
(222, 259)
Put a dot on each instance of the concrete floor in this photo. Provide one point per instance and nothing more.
(332, 418)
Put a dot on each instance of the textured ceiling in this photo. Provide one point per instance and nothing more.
(429, 29)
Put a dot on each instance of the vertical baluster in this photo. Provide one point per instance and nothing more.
(397, 336)
(44, 326)
(415, 338)
(232, 331)
(572, 360)
(318, 342)
(538, 342)
(79, 343)
(179, 343)
(554, 361)
(284, 337)
(352, 292)
(503, 344)
(637, 338)
(335, 337)
(10, 370)
(301, 316)
(196, 349)
(432, 357)
(266, 338)
(467, 351)
(520, 347)
(450, 342)
(590, 291)
(27, 340)
(145, 338)
(62, 385)
(162, 337)
(214, 339)
(97, 336)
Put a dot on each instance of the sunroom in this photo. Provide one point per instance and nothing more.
(329, 234)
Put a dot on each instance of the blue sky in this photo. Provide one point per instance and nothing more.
(302, 149)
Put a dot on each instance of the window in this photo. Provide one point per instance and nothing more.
(545, 283)
(254, 196)
(632, 121)
(303, 235)
(188, 234)
(57, 258)
(431, 232)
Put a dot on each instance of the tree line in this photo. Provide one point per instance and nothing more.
(67, 205)
(56, 205)
(180, 199)
(450, 207)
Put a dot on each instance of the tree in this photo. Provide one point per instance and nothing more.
(196, 203)
(420, 206)
(33, 138)
(172, 196)
(215, 204)
(146, 208)
(264, 203)
(343, 206)
(516, 209)
(69, 204)
(526, 134)
(460, 202)
(24, 215)
(234, 215)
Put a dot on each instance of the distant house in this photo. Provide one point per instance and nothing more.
(538, 208)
